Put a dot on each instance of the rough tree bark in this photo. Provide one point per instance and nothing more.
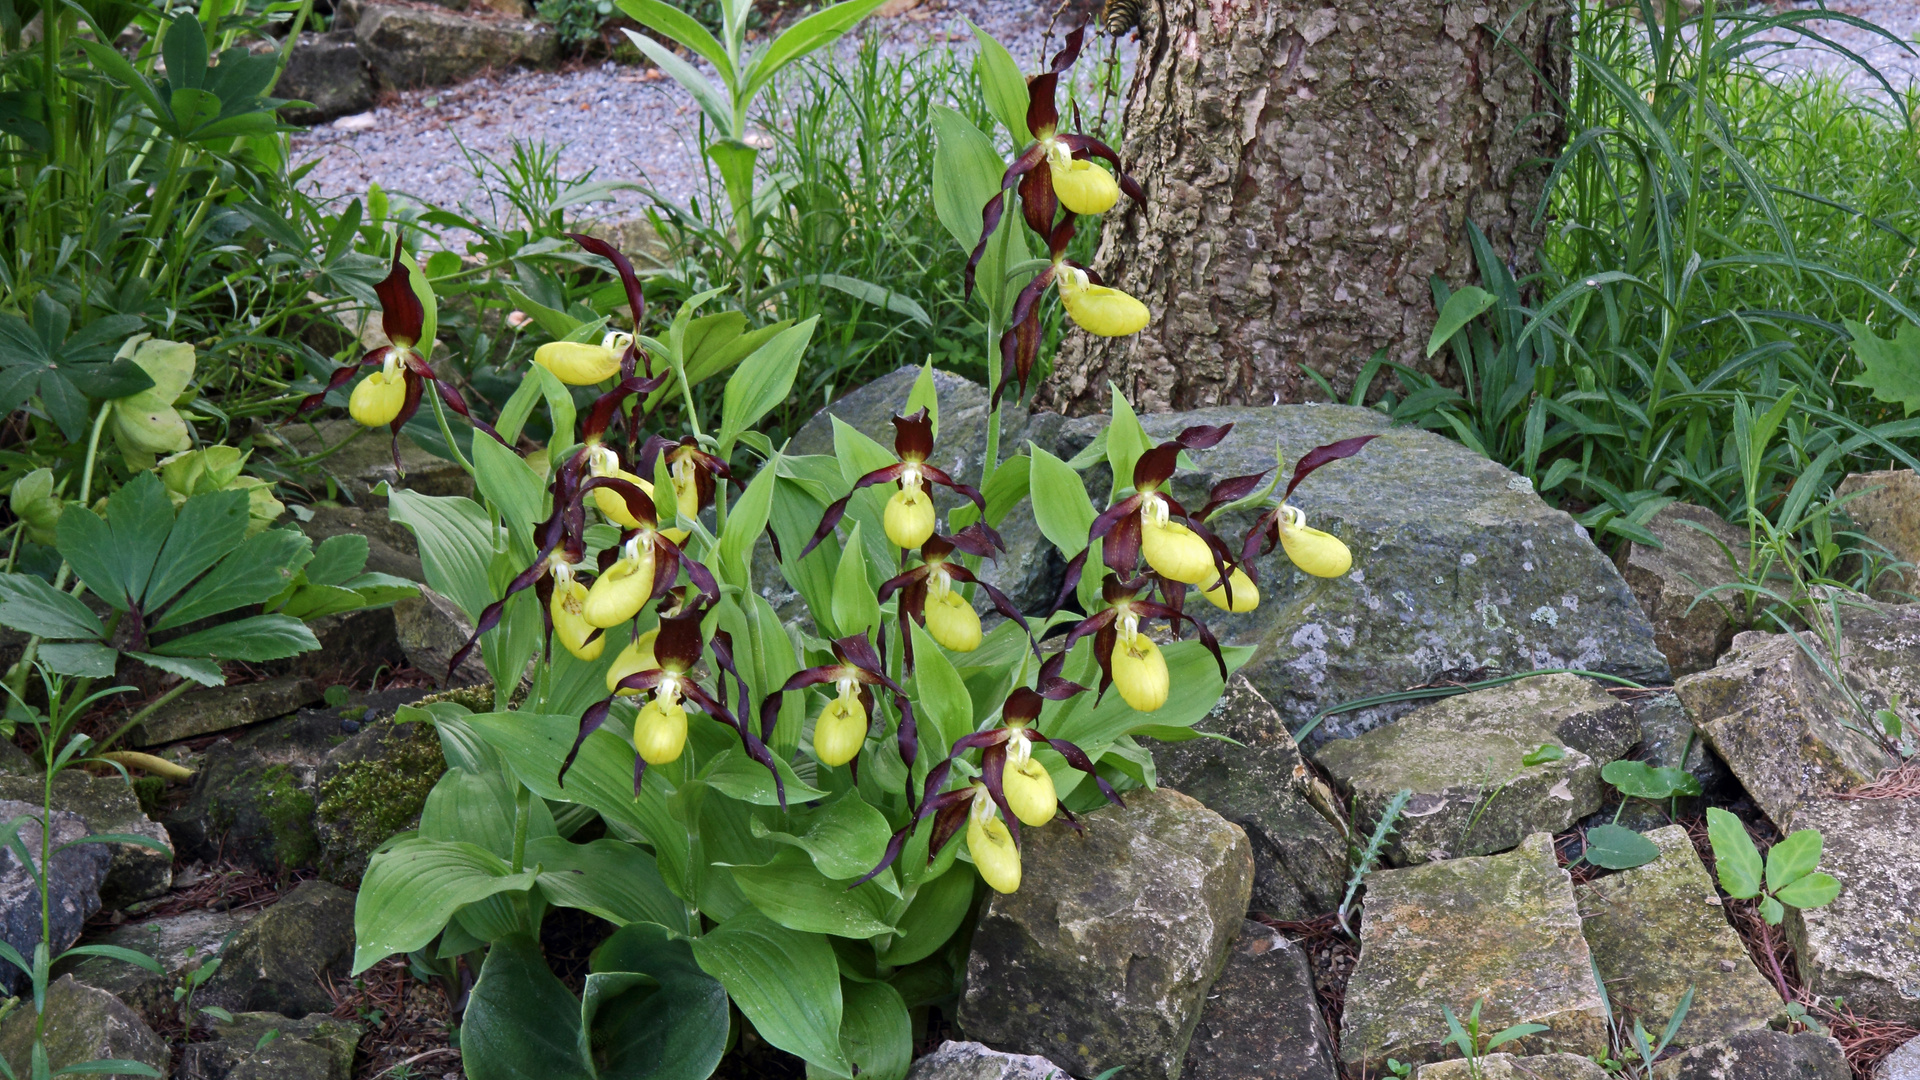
(1308, 169)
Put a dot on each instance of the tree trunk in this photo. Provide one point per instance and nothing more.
(1308, 169)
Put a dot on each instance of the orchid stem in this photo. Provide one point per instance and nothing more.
(446, 432)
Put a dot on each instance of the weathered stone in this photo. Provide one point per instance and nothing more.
(1503, 931)
(432, 629)
(325, 71)
(1882, 650)
(1103, 957)
(409, 46)
(1508, 1067)
(391, 547)
(353, 644)
(181, 943)
(1660, 930)
(1886, 508)
(366, 461)
(1760, 1055)
(372, 786)
(1464, 759)
(1030, 570)
(1263, 786)
(1902, 1064)
(1784, 729)
(972, 1061)
(107, 805)
(1458, 566)
(316, 1047)
(276, 962)
(222, 708)
(1865, 946)
(74, 884)
(1670, 581)
(83, 1024)
(1261, 1018)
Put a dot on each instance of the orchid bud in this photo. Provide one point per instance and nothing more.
(841, 730)
(1318, 553)
(620, 593)
(909, 518)
(1140, 673)
(1176, 552)
(636, 657)
(952, 622)
(34, 502)
(1246, 595)
(613, 505)
(378, 399)
(572, 628)
(660, 731)
(578, 363)
(994, 855)
(1029, 791)
(1083, 187)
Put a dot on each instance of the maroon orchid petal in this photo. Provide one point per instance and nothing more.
(1051, 685)
(1022, 707)
(1092, 624)
(1059, 237)
(913, 436)
(1001, 602)
(839, 508)
(491, 614)
(1112, 516)
(340, 377)
(1120, 549)
(697, 572)
(458, 404)
(722, 645)
(894, 843)
(639, 504)
(1070, 49)
(402, 315)
(1043, 114)
(799, 680)
(1156, 466)
(1223, 563)
(990, 215)
(1202, 436)
(894, 584)
(1070, 582)
(993, 774)
(1321, 455)
(1019, 350)
(977, 539)
(1084, 146)
(628, 280)
(1077, 758)
(409, 406)
(947, 822)
(966, 491)
(1039, 204)
(1173, 615)
(1232, 489)
(679, 644)
(605, 407)
(1103, 645)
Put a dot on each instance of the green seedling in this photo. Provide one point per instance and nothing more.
(1788, 877)
(1473, 1044)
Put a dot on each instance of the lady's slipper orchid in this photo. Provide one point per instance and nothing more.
(1318, 553)
(660, 729)
(1150, 523)
(566, 615)
(637, 656)
(927, 595)
(580, 363)
(643, 566)
(692, 469)
(400, 368)
(841, 730)
(1130, 662)
(1090, 303)
(909, 519)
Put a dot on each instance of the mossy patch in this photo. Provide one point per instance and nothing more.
(377, 788)
(271, 794)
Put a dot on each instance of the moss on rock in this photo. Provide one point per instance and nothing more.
(375, 784)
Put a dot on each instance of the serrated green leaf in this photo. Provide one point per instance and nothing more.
(34, 607)
(254, 639)
(255, 572)
(1811, 891)
(1891, 369)
(1735, 856)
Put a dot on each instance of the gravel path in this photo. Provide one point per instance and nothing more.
(1900, 65)
(625, 123)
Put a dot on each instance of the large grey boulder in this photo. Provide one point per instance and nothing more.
(1865, 946)
(180, 943)
(1699, 551)
(1294, 823)
(1262, 1019)
(1467, 761)
(1457, 566)
(370, 787)
(316, 1047)
(1502, 930)
(277, 962)
(1103, 957)
(1760, 1055)
(1902, 1064)
(213, 709)
(1659, 931)
(1885, 506)
(409, 46)
(73, 883)
(1787, 732)
(432, 629)
(325, 70)
(108, 805)
(972, 1061)
(1508, 1067)
(83, 1024)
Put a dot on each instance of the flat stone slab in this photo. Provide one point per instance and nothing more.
(1457, 565)
(1299, 838)
(1502, 930)
(73, 881)
(1865, 946)
(1669, 581)
(1902, 1064)
(1760, 1055)
(1657, 931)
(1508, 1067)
(1784, 729)
(82, 1024)
(972, 1061)
(1886, 507)
(108, 805)
(223, 708)
(1104, 956)
(366, 462)
(1464, 759)
(181, 943)
(1262, 1019)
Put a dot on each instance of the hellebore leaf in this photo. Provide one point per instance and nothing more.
(32, 606)
(1812, 891)
(1793, 858)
